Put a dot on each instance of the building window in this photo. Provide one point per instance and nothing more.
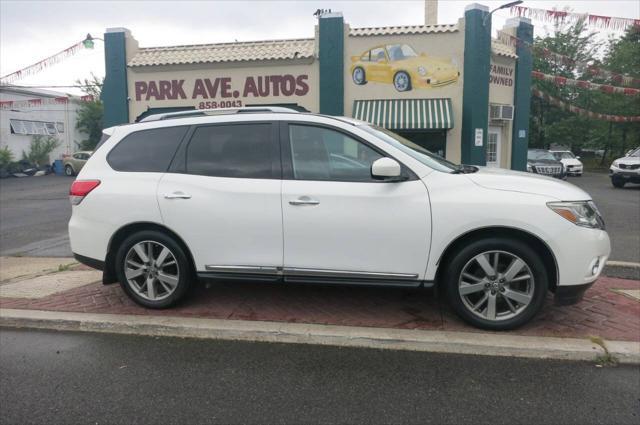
(36, 127)
(492, 147)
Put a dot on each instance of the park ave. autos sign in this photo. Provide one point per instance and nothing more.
(221, 92)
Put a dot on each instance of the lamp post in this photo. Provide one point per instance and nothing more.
(504, 6)
(88, 41)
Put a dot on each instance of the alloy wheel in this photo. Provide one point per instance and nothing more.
(496, 285)
(151, 270)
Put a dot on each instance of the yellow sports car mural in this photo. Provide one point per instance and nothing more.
(401, 66)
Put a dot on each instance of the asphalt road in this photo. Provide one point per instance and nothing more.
(34, 213)
(50, 377)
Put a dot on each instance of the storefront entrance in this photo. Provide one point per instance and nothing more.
(434, 141)
(494, 145)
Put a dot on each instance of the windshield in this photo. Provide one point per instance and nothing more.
(635, 153)
(535, 155)
(415, 151)
(563, 155)
(400, 51)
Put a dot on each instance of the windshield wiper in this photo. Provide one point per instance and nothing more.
(465, 169)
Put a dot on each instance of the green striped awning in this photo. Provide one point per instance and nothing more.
(406, 114)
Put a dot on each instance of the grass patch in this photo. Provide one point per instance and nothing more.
(64, 267)
(606, 359)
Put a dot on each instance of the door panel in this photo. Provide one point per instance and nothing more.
(361, 227)
(226, 221)
(224, 198)
(338, 218)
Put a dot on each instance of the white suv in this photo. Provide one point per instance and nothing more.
(272, 195)
(626, 169)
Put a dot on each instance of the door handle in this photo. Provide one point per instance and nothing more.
(304, 200)
(177, 195)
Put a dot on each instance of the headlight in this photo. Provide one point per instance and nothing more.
(422, 70)
(616, 164)
(580, 213)
(529, 168)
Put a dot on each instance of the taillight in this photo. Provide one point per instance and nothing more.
(80, 189)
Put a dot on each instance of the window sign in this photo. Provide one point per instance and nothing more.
(479, 135)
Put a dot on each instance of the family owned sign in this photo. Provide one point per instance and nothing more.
(223, 87)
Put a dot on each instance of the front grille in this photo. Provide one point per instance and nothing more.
(629, 166)
(548, 170)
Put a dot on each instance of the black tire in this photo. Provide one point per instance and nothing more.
(359, 81)
(617, 182)
(455, 266)
(403, 88)
(68, 170)
(184, 267)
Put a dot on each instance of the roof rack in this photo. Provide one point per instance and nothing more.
(221, 111)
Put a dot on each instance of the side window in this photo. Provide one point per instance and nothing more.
(243, 151)
(147, 150)
(377, 55)
(323, 154)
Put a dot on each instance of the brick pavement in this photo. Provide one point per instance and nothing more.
(603, 312)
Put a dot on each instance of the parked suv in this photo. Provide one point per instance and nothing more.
(541, 161)
(626, 170)
(271, 195)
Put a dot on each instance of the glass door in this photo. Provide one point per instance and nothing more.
(493, 147)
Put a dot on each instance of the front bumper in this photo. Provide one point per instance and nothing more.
(568, 295)
(574, 169)
(630, 175)
(581, 255)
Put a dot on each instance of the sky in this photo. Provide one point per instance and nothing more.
(33, 30)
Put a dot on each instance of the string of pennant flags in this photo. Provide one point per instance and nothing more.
(569, 82)
(583, 67)
(42, 65)
(580, 111)
(32, 103)
(598, 21)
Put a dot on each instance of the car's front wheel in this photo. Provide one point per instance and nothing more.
(68, 170)
(617, 182)
(402, 81)
(153, 269)
(496, 283)
(359, 76)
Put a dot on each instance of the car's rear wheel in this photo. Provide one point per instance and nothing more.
(496, 283)
(617, 182)
(153, 269)
(402, 81)
(359, 76)
(68, 170)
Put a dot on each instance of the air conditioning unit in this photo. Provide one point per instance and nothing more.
(501, 112)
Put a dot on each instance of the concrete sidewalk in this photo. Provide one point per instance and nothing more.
(383, 318)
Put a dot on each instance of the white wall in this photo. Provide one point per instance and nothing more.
(57, 112)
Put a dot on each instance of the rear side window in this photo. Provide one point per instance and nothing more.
(242, 151)
(148, 151)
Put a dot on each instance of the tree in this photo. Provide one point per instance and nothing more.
(550, 124)
(40, 149)
(91, 112)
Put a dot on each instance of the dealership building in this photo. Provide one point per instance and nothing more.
(451, 88)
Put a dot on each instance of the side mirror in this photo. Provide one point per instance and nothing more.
(385, 168)
(577, 157)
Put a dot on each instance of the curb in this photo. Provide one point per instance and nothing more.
(488, 344)
(622, 269)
